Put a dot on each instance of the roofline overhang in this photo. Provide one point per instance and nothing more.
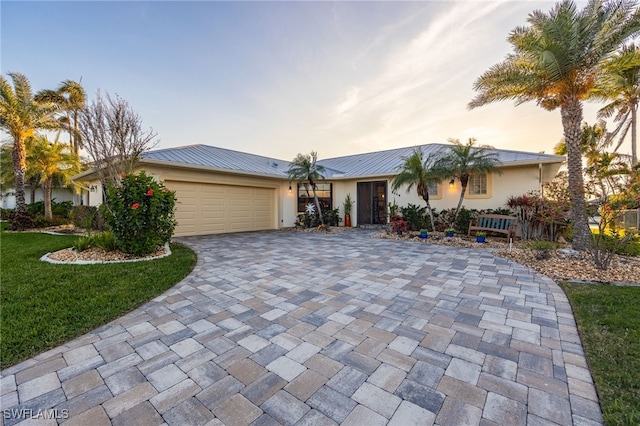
(555, 160)
(173, 164)
(165, 163)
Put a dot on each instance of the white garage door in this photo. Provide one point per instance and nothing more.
(204, 208)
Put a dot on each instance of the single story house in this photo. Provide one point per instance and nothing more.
(220, 190)
(8, 197)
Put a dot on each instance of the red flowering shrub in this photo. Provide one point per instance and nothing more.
(140, 212)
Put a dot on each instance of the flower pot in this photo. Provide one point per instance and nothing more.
(449, 234)
(347, 220)
(399, 232)
(480, 239)
(425, 235)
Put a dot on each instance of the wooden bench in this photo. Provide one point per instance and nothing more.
(495, 223)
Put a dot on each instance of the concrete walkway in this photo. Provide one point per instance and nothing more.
(311, 329)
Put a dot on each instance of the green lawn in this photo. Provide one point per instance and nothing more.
(608, 318)
(43, 305)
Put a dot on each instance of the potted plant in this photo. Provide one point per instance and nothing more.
(480, 237)
(449, 232)
(398, 224)
(423, 233)
(347, 205)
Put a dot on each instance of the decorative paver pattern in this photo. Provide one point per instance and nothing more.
(323, 329)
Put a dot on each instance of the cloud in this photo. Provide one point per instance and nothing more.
(418, 82)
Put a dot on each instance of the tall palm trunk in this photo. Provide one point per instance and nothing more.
(19, 168)
(464, 182)
(48, 186)
(315, 200)
(430, 211)
(634, 147)
(571, 112)
(424, 193)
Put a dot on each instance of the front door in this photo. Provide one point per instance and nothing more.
(372, 203)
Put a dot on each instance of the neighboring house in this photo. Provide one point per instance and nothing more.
(220, 190)
(8, 197)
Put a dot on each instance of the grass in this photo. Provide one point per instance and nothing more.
(608, 318)
(44, 305)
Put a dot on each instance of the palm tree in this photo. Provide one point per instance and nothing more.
(421, 173)
(20, 116)
(603, 170)
(305, 168)
(620, 85)
(463, 160)
(70, 97)
(556, 62)
(50, 161)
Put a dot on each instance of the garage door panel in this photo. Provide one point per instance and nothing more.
(211, 208)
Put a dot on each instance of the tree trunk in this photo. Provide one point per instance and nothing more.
(19, 168)
(464, 181)
(47, 187)
(634, 147)
(423, 192)
(433, 223)
(571, 112)
(315, 199)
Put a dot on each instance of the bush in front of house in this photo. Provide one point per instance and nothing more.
(88, 217)
(140, 213)
(415, 216)
(62, 209)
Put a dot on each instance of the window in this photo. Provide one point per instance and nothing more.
(324, 191)
(477, 184)
(433, 189)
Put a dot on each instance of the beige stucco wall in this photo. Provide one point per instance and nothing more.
(513, 181)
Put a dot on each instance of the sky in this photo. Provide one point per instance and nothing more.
(281, 78)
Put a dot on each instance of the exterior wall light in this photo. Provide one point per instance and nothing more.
(452, 183)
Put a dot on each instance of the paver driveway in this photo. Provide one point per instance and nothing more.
(311, 329)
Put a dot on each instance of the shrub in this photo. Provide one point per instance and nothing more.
(331, 217)
(20, 221)
(140, 214)
(540, 217)
(42, 222)
(502, 211)
(308, 220)
(398, 224)
(6, 214)
(83, 243)
(444, 219)
(62, 209)
(105, 240)
(541, 249)
(37, 208)
(464, 218)
(415, 216)
(88, 217)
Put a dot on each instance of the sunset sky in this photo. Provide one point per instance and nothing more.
(278, 78)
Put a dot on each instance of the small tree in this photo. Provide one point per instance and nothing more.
(20, 117)
(463, 160)
(50, 161)
(140, 213)
(112, 133)
(305, 168)
(421, 172)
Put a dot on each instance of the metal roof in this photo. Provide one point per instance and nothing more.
(384, 163)
(220, 158)
(379, 163)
